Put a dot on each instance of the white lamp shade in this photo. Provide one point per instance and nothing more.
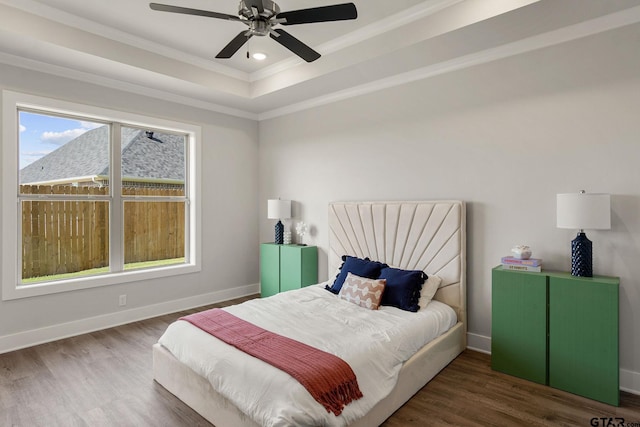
(584, 211)
(278, 209)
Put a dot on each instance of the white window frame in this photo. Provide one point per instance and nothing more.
(11, 288)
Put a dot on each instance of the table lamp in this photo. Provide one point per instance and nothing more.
(583, 211)
(279, 209)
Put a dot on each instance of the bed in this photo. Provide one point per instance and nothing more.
(423, 235)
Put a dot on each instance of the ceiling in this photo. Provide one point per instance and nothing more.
(124, 44)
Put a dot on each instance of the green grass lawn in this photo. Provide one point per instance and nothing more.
(95, 271)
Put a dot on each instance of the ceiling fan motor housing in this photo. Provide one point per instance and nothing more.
(251, 12)
(259, 27)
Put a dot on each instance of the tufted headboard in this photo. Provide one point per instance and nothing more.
(422, 235)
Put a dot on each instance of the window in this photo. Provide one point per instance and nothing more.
(93, 197)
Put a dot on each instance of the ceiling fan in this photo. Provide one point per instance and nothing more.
(262, 15)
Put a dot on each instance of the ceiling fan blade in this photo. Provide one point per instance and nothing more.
(234, 45)
(294, 45)
(188, 11)
(337, 12)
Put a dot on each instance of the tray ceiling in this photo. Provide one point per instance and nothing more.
(123, 42)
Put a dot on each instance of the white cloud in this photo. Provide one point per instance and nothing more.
(22, 128)
(61, 138)
(90, 125)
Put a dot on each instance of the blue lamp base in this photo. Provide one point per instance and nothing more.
(279, 233)
(581, 256)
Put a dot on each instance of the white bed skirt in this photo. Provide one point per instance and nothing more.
(197, 393)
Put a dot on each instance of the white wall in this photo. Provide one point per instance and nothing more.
(229, 225)
(505, 137)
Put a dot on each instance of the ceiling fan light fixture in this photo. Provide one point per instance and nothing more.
(259, 56)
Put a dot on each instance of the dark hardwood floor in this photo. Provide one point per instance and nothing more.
(105, 379)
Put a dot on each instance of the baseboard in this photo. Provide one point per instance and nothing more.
(479, 343)
(82, 326)
(629, 380)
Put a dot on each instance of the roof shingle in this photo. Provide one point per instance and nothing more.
(145, 156)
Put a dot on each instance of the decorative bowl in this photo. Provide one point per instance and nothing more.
(521, 252)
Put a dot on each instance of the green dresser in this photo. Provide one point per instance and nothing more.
(557, 329)
(287, 267)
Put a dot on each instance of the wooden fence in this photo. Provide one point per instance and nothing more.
(70, 236)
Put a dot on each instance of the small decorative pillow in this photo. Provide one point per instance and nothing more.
(359, 267)
(429, 289)
(403, 288)
(362, 291)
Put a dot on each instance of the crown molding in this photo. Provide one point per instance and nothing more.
(117, 84)
(47, 12)
(390, 23)
(551, 38)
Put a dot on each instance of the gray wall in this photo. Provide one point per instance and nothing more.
(229, 224)
(505, 137)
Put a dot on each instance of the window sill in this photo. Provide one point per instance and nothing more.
(12, 291)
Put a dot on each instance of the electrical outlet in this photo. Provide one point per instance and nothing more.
(122, 300)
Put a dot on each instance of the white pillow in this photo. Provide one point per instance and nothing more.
(429, 289)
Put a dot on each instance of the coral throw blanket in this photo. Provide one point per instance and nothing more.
(329, 379)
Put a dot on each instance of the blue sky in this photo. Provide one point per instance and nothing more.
(42, 134)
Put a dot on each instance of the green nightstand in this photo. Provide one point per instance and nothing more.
(557, 329)
(287, 267)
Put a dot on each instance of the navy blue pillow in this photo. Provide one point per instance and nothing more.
(403, 288)
(359, 267)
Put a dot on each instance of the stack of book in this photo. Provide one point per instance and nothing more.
(512, 263)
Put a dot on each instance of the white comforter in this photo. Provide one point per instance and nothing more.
(374, 343)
